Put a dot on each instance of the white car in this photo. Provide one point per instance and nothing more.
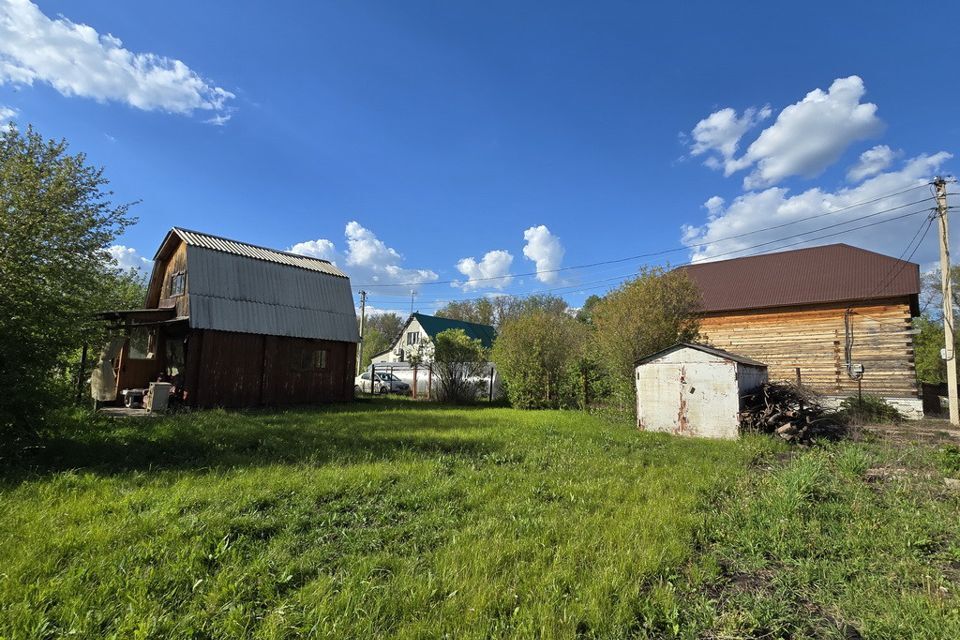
(382, 383)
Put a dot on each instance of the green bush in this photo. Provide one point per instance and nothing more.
(538, 356)
(869, 409)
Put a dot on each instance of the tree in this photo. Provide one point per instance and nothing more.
(389, 324)
(644, 315)
(931, 292)
(379, 331)
(457, 361)
(585, 313)
(56, 224)
(926, 347)
(497, 310)
(480, 311)
(537, 355)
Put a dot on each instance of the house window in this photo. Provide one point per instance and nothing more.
(178, 282)
(142, 344)
(312, 359)
(413, 337)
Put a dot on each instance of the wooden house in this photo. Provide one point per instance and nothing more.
(236, 325)
(836, 317)
(420, 327)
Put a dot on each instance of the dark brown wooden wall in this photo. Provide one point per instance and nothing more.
(229, 369)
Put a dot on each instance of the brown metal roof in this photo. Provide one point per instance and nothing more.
(831, 273)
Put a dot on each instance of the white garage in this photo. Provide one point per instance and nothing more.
(694, 390)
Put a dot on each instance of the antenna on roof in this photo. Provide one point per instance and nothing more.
(413, 292)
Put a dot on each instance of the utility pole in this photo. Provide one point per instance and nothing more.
(363, 319)
(947, 285)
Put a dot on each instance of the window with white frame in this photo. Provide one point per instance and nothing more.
(413, 337)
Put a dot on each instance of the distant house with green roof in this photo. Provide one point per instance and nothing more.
(420, 326)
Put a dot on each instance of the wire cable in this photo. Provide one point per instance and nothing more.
(667, 251)
(600, 283)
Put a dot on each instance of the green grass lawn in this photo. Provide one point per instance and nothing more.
(388, 518)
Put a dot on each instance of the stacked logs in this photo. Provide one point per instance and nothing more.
(789, 412)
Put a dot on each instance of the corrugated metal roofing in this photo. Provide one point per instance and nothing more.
(235, 292)
(225, 245)
(720, 353)
(830, 273)
(435, 324)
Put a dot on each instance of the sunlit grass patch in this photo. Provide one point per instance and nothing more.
(367, 520)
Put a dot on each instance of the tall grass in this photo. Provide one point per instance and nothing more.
(367, 520)
(845, 541)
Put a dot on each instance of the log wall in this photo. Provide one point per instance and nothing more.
(813, 337)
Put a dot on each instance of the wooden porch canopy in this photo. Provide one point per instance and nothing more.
(138, 317)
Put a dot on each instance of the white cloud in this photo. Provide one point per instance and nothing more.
(721, 131)
(806, 138)
(321, 248)
(545, 250)
(810, 135)
(219, 120)
(76, 60)
(714, 205)
(491, 271)
(367, 259)
(871, 162)
(757, 211)
(127, 258)
(7, 113)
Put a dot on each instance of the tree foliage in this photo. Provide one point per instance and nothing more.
(537, 355)
(585, 313)
(926, 348)
(931, 292)
(457, 361)
(379, 332)
(56, 223)
(495, 311)
(644, 315)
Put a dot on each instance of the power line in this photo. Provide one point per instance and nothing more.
(658, 253)
(675, 249)
(777, 240)
(601, 283)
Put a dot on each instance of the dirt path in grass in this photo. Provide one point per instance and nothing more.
(926, 431)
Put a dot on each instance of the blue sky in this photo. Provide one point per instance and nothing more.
(437, 141)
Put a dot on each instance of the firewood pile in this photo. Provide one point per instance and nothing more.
(789, 412)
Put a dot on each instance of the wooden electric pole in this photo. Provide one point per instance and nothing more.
(947, 285)
(363, 319)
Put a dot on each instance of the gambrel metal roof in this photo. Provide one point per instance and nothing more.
(235, 286)
(247, 250)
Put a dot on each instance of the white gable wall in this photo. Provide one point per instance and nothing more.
(401, 343)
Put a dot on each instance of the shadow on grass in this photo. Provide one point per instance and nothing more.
(369, 430)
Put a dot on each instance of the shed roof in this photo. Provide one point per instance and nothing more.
(829, 273)
(247, 250)
(720, 353)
